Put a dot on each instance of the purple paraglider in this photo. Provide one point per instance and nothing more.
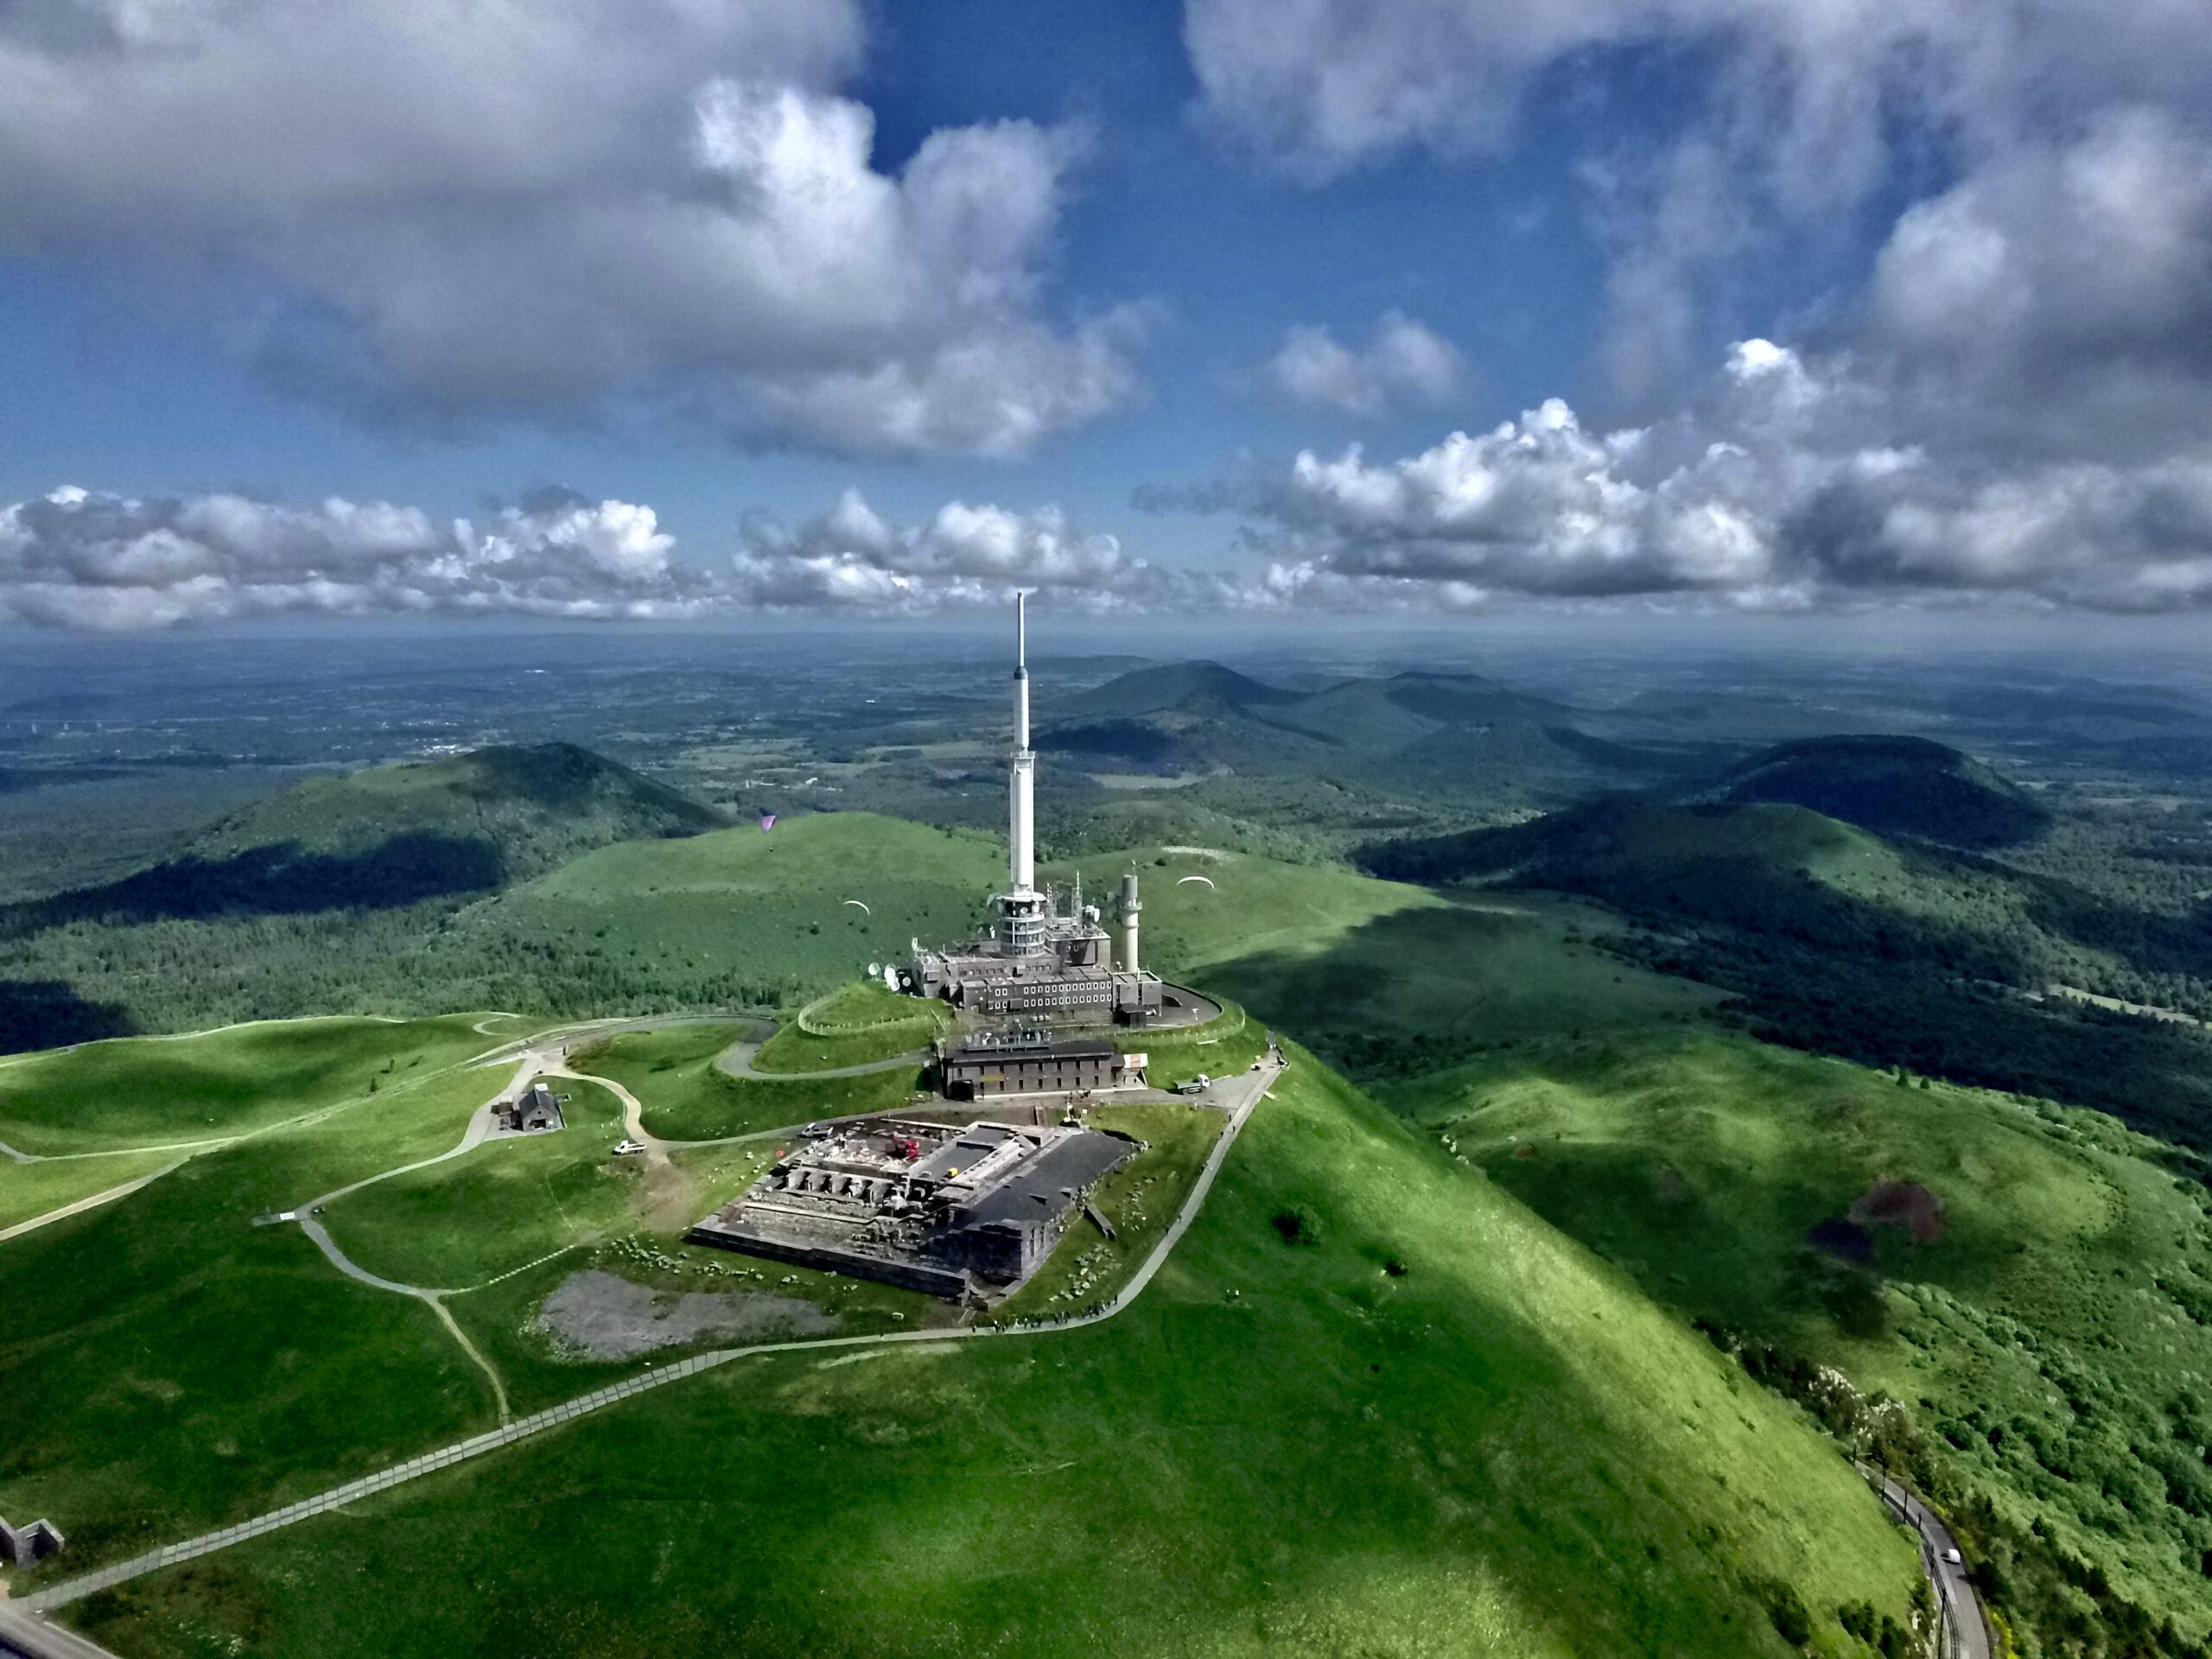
(767, 822)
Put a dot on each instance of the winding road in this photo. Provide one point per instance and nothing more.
(1955, 1592)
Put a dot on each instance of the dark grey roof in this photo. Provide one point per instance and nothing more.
(1063, 1169)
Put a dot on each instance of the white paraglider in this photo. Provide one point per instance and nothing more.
(864, 908)
(1206, 879)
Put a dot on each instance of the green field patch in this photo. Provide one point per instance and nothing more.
(170, 1367)
(143, 1091)
(2050, 1338)
(857, 1025)
(1504, 1451)
(28, 1191)
(1420, 989)
(767, 909)
(505, 1203)
(687, 1097)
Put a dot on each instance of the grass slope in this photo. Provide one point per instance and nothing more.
(1894, 785)
(854, 1025)
(136, 1092)
(505, 1204)
(168, 1367)
(2052, 1344)
(687, 1097)
(535, 806)
(30, 1190)
(1506, 1451)
(767, 910)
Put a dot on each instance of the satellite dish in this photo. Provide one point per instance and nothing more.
(874, 968)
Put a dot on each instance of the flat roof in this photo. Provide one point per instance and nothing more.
(1064, 1168)
(1080, 1048)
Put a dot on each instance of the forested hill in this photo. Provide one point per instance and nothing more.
(391, 835)
(1174, 685)
(1888, 952)
(535, 806)
(1896, 786)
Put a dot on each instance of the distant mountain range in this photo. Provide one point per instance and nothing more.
(1421, 731)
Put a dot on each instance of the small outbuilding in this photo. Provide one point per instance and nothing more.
(537, 1111)
(21, 1546)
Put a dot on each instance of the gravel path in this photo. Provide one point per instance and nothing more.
(83, 1204)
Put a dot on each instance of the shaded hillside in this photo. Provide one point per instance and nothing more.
(390, 837)
(1837, 940)
(1895, 786)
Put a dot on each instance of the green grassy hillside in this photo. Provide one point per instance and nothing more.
(169, 1366)
(1503, 1450)
(768, 910)
(323, 897)
(2046, 1324)
(136, 1093)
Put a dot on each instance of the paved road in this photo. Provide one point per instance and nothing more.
(1953, 1592)
(23, 1636)
(1240, 1096)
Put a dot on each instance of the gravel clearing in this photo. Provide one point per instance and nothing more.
(598, 1315)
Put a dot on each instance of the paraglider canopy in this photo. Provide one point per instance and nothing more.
(864, 907)
(1206, 879)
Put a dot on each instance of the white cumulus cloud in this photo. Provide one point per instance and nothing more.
(1782, 488)
(74, 558)
(1403, 364)
(455, 211)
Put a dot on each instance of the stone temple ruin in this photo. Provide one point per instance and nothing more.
(955, 1211)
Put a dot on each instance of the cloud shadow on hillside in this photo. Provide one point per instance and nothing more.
(276, 881)
(47, 1014)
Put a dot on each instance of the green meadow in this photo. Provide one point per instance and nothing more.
(687, 1097)
(854, 1025)
(500, 1207)
(170, 1367)
(135, 1092)
(28, 1191)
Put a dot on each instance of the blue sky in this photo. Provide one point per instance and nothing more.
(1134, 264)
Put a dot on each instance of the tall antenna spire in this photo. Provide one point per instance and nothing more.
(1022, 840)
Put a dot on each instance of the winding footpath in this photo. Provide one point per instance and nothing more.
(1241, 1096)
(479, 1129)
